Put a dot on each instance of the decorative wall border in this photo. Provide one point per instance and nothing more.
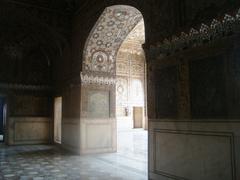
(229, 135)
(95, 79)
(207, 33)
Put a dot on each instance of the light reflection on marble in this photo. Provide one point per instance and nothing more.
(41, 162)
(1, 138)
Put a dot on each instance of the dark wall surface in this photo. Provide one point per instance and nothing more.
(208, 88)
(1, 115)
(210, 78)
(167, 89)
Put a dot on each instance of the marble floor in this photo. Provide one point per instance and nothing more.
(42, 162)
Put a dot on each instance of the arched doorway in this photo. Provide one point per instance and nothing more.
(130, 97)
(130, 80)
(98, 124)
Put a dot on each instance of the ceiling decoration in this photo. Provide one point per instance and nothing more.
(111, 29)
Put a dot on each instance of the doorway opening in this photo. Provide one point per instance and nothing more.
(131, 95)
(3, 116)
(113, 74)
(58, 120)
(130, 76)
(113, 83)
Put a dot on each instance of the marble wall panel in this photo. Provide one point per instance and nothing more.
(71, 135)
(98, 104)
(194, 150)
(29, 130)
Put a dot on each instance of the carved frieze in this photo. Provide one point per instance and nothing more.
(96, 79)
(207, 33)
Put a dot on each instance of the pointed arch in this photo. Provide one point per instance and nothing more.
(105, 39)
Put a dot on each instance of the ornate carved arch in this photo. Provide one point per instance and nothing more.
(106, 37)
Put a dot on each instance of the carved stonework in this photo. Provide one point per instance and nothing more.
(121, 91)
(103, 43)
(217, 29)
(122, 66)
(98, 104)
(99, 80)
(137, 66)
(130, 66)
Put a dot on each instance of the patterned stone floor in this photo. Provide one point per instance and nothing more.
(43, 162)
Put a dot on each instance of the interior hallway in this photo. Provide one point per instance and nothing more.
(50, 163)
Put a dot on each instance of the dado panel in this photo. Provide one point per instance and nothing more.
(29, 130)
(194, 150)
(71, 135)
(98, 135)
